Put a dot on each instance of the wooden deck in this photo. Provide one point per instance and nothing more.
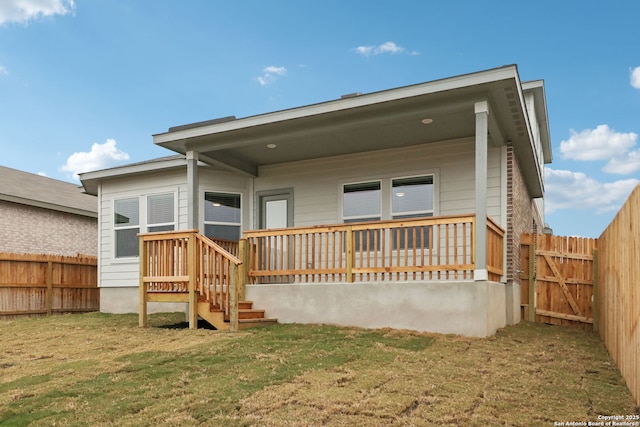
(211, 276)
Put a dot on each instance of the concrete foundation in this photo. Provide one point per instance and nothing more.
(470, 308)
(122, 300)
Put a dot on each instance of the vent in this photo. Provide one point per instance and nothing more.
(351, 95)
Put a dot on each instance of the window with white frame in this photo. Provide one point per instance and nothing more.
(126, 222)
(412, 198)
(141, 214)
(362, 202)
(160, 212)
(222, 216)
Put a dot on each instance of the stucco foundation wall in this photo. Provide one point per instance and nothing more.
(126, 299)
(465, 308)
(33, 230)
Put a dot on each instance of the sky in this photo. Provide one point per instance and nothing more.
(84, 84)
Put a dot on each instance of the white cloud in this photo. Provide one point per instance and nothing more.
(635, 78)
(270, 74)
(23, 11)
(388, 47)
(101, 156)
(4, 71)
(575, 190)
(603, 143)
(41, 173)
(624, 165)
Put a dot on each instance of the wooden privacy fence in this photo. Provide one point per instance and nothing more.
(563, 289)
(618, 291)
(32, 285)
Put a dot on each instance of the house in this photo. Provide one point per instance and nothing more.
(401, 208)
(40, 215)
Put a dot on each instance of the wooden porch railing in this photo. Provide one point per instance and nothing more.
(436, 248)
(184, 266)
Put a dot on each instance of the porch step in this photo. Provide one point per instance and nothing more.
(248, 317)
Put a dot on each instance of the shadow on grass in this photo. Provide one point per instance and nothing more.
(202, 324)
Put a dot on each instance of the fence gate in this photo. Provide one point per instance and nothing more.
(556, 277)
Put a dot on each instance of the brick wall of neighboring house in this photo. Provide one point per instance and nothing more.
(520, 215)
(28, 229)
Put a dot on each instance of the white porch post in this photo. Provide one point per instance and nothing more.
(482, 129)
(193, 183)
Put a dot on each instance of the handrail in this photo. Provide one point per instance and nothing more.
(428, 248)
(185, 262)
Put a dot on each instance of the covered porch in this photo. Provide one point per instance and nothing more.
(271, 266)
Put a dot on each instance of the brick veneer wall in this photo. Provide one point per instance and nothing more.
(520, 215)
(28, 229)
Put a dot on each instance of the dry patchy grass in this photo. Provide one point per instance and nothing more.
(101, 370)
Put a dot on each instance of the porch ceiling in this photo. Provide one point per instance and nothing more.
(357, 124)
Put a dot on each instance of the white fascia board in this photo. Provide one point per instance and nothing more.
(467, 80)
(537, 88)
(90, 180)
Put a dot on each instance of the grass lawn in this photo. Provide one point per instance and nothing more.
(102, 370)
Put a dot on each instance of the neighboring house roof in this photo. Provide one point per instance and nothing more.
(90, 180)
(375, 121)
(35, 190)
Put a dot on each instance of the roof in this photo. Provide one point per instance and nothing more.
(90, 180)
(35, 190)
(374, 121)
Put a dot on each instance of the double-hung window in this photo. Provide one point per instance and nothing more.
(391, 198)
(412, 198)
(362, 202)
(141, 214)
(126, 223)
(160, 212)
(222, 216)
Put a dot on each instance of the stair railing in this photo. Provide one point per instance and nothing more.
(182, 263)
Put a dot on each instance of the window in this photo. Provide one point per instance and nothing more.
(361, 202)
(222, 216)
(126, 222)
(160, 212)
(412, 198)
(129, 220)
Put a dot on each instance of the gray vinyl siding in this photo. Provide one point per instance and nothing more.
(124, 272)
(318, 183)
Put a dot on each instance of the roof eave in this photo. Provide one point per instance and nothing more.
(177, 140)
(49, 206)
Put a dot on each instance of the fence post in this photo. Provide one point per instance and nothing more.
(191, 268)
(234, 276)
(595, 290)
(349, 254)
(532, 279)
(242, 269)
(49, 280)
(142, 304)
